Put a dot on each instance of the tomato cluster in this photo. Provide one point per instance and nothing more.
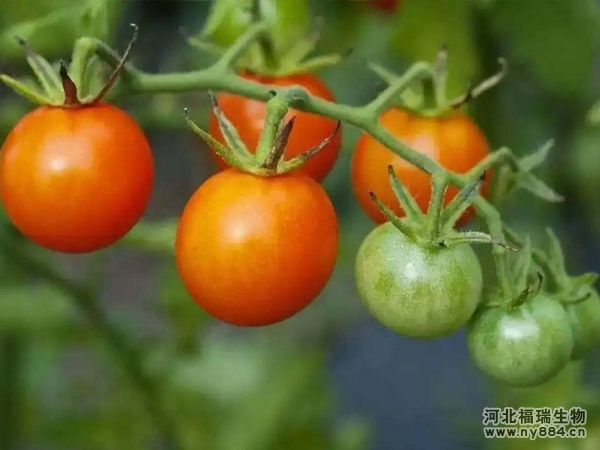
(256, 244)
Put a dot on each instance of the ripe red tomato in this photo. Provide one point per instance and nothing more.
(248, 116)
(75, 180)
(253, 251)
(454, 141)
(390, 6)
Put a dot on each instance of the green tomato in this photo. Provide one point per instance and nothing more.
(524, 345)
(288, 21)
(417, 290)
(584, 319)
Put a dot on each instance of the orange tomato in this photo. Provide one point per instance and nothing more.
(253, 251)
(75, 180)
(453, 141)
(248, 116)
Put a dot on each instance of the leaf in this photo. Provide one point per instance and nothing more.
(558, 40)
(424, 26)
(158, 237)
(33, 308)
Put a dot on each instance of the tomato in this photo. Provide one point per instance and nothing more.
(455, 142)
(248, 116)
(417, 290)
(389, 6)
(256, 250)
(584, 319)
(524, 345)
(76, 180)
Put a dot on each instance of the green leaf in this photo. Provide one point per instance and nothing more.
(34, 308)
(424, 26)
(57, 19)
(157, 237)
(558, 40)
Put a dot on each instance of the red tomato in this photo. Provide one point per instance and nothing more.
(390, 6)
(253, 251)
(453, 141)
(75, 180)
(248, 116)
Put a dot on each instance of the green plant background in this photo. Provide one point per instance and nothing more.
(330, 378)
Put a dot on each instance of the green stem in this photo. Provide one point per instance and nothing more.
(277, 108)
(129, 357)
(12, 348)
(83, 50)
(264, 40)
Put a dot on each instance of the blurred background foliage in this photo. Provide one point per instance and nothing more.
(107, 351)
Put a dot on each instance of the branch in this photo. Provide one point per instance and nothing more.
(87, 303)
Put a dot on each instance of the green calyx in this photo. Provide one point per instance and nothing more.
(72, 87)
(269, 57)
(436, 227)
(522, 282)
(568, 289)
(428, 96)
(268, 158)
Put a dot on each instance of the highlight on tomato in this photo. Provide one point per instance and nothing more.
(258, 242)
(76, 174)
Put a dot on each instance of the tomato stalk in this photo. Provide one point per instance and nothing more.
(129, 357)
(222, 77)
(268, 157)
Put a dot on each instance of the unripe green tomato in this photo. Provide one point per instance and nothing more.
(288, 21)
(417, 290)
(584, 319)
(521, 346)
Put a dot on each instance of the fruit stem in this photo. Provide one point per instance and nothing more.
(69, 88)
(267, 150)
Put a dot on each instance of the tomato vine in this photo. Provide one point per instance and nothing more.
(222, 76)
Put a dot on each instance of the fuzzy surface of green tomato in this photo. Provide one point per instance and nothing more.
(584, 319)
(523, 345)
(417, 290)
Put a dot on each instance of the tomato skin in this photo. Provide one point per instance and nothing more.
(455, 142)
(248, 116)
(523, 346)
(76, 180)
(415, 290)
(584, 319)
(253, 251)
